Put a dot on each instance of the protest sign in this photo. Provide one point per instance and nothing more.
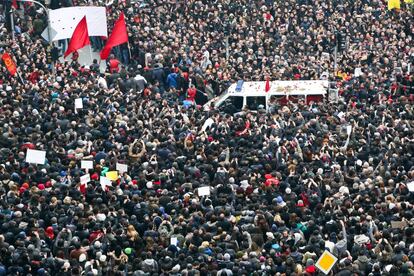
(112, 175)
(78, 103)
(104, 182)
(86, 164)
(326, 262)
(204, 191)
(121, 168)
(36, 156)
(85, 178)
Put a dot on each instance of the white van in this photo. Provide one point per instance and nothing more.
(252, 94)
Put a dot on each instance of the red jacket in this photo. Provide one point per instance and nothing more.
(191, 94)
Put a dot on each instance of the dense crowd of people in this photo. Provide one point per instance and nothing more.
(285, 185)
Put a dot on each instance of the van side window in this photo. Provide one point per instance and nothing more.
(232, 104)
(254, 102)
(237, 102)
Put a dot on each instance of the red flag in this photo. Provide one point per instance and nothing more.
(118, 36)
(8, 61)
(79, 39)
(14, 4)
(267, 86)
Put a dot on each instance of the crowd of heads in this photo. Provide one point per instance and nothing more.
(286, 184)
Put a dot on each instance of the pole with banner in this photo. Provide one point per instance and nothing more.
(11, 65)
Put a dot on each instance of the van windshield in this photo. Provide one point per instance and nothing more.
(222, 96)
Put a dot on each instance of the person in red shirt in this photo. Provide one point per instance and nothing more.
(114, 64)
(75, 56)
(191, 93)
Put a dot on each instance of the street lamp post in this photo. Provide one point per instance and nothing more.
(12, 23)
(47, 14)
(48, 29)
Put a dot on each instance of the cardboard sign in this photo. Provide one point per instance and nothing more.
(121, 168)
(78, 103)
(112, 175)
(204, 191)
(104, 182)
(326, 262)
(86, 164)
(36, 156)
(398, 224)
(85, 178)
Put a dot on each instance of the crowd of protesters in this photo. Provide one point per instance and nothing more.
(285, 185)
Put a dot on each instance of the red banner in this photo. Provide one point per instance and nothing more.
(8, 61)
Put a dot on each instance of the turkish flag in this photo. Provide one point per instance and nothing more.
(118, 36)
(79, 39)
(267, 86)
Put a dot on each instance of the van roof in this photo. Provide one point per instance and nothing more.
(281, 88)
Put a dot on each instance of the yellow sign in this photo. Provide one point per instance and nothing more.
(112, 175)
(326, 262)
(394, 4)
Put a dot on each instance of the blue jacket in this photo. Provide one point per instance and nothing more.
(172, 80)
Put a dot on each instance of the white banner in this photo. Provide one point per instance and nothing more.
(64, 21)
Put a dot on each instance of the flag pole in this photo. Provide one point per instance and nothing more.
(20, 76)
(129, 50)
(90, 53)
